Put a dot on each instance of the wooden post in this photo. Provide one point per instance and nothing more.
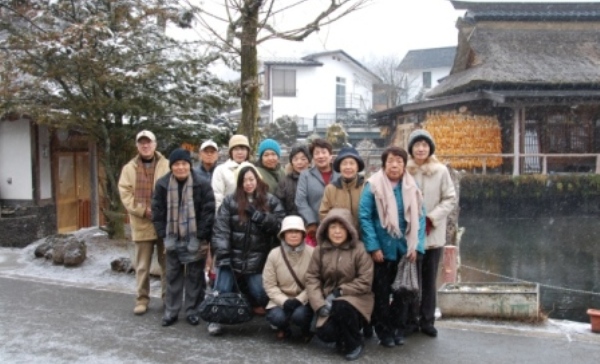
(516, 140)
(94, 200)
(545, 165)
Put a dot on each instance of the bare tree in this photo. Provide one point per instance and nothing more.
(386, 67)
(239, 26)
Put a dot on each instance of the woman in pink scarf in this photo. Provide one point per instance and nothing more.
(392, 222)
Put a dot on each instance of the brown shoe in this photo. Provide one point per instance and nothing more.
(259, 311)
(140, 309)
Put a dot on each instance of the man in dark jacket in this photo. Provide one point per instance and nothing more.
(183, 212)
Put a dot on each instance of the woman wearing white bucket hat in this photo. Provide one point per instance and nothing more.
(284, 282)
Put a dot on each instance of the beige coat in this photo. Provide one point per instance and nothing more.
(223, 182)
(343, 195)
(277, 279)
(347, 267)
(142, 228)
(439, 196)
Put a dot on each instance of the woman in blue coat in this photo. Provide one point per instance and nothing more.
(392, 222)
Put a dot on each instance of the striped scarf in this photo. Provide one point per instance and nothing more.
(144, 183)
(181, 215)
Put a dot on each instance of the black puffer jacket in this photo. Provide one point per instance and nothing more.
(245, 245)
(286, 192)
(204, 206)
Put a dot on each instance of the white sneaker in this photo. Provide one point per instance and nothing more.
(214, 329)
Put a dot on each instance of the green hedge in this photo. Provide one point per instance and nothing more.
(530, 195)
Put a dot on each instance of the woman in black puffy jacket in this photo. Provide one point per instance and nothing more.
(245, 230)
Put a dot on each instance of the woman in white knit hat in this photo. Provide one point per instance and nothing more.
(439, 197)
(283, 280)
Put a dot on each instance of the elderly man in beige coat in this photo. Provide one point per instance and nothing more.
(439, 196)
(136, 186)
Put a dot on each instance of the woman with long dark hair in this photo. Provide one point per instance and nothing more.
(245, 230)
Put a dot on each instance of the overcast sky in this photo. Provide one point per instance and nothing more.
(382, 28)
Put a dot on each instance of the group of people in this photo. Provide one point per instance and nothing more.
(315, 247)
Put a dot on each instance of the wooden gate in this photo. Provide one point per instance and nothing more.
(73, 191)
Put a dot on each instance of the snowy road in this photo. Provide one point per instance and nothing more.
(55, 323)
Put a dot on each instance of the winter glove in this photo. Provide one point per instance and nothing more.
(324, 311)
(250, 210)
(330, 297)
(428, 225)
(290, 305)
(258, 217)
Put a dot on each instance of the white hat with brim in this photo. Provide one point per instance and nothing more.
(209, 143)
(291, 222)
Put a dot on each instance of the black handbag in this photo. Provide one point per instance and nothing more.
(226, 308)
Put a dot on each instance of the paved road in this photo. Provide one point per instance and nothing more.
(52, 323)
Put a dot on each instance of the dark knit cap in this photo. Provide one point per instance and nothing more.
(179, 154)
(420, 134)
(302, 148)
(344, 153)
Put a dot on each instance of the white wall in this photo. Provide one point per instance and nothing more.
(15, 160)
(45, 165)
(415, 80)
(316, 88)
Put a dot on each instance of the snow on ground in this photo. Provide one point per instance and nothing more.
(95, 273)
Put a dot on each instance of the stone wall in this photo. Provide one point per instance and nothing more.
(26, 225)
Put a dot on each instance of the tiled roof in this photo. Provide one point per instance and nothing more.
(521, 11)
(428, 58)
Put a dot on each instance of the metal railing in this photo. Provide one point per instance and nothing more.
(539, 160)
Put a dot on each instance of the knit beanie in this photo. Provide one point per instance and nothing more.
(269, 144)
(179, 154)
(346, 152)
(420, 134)
(238, 140)
(302, 148)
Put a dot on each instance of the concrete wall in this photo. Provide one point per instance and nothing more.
(16, 182)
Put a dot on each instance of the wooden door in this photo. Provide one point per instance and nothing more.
(73, 191)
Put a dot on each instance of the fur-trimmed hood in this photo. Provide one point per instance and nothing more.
(345, 217)
(430, 167)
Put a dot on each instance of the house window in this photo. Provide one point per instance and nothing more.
(340, 92)
(284, 83)
(427, 79)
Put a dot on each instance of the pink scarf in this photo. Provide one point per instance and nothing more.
(387, 208)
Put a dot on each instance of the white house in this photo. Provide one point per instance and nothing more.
(423, 69)
(26, 196)
(317, 89)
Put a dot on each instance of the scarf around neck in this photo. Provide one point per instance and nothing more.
(387, 208)
(144, 182)
(181, 215)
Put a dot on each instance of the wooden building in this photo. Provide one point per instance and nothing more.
(533, 66)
